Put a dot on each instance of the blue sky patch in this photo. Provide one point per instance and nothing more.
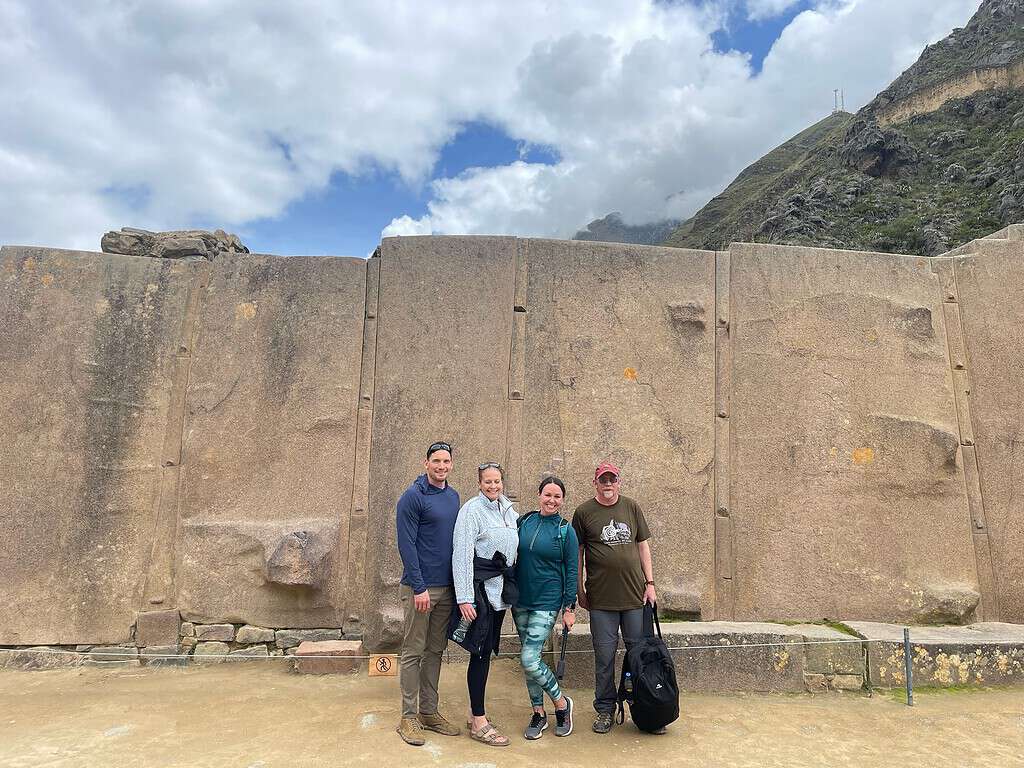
(483, 145)
(347, 217)
(133, 196)
(755, 37)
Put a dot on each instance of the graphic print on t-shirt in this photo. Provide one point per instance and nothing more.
(615, 533)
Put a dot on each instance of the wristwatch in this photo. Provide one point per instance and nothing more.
(649, 583)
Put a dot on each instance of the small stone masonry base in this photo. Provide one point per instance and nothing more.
(160, 634)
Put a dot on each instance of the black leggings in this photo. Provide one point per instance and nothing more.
(479, 666)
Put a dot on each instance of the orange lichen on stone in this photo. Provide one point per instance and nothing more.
(863, 455)
(630, 373)
(245, 311)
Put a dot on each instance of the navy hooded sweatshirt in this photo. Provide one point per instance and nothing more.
(426, 522)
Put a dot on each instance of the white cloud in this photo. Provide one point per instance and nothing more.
(167, 113)
(759, 10)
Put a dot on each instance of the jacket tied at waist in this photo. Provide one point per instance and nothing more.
(478, 637)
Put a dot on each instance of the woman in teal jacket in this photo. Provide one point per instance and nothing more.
(546, 569)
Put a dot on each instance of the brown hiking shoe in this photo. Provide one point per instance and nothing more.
(409, 730)
(435, 722)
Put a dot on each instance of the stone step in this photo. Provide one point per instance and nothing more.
(776, 667)
(986, 653)
(327, 657)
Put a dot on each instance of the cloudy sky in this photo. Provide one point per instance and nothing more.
(316, 126)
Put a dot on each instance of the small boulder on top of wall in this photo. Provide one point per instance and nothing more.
(181, 244)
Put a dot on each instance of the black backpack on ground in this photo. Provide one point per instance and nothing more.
(648, 682)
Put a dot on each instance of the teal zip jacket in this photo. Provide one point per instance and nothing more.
(546, 568)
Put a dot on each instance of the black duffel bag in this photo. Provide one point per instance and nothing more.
(648, 682)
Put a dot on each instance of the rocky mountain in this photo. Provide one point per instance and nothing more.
(612, 229)
(935, 160)
(740, 208)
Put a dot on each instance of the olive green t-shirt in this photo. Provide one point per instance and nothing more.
(609, 537)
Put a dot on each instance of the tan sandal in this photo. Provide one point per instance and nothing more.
(490, 736)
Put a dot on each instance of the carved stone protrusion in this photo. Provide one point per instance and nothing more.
(299, 560)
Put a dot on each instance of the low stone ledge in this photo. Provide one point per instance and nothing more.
(42, 657)
(248, 654)
(986, 653)
(112, 656)
(160, 656)
(38, 657)
(776, 667)
(329, 657)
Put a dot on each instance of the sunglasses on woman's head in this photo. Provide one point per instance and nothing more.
(489, 465)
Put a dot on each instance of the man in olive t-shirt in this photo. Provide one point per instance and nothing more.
(616, 578)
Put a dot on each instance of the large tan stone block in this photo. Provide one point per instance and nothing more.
(620, 364)
(993, 321)
(268, 442)
(157, 628)
(847, 487)
(87, 357)
(442, 372)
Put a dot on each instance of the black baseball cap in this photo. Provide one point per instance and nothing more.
(440, 445)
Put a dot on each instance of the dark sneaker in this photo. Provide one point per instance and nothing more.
(660, 731)
(563, 719)
(538, 724)
(602, 723)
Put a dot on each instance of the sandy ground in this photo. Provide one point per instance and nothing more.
(258, 715)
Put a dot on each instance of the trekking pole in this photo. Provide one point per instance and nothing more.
(560, 667)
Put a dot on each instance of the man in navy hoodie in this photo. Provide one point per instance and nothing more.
(426, 522)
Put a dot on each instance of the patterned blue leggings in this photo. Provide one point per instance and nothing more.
(534, 627)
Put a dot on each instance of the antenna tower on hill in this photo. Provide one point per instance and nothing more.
(839, 97)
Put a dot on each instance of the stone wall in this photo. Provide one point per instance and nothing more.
(813, 433)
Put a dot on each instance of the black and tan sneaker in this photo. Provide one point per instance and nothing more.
(563, 719)
(410, 731)
(538, 724)
(437, 723)
(603, 722)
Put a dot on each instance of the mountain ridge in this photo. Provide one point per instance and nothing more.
(913, 181)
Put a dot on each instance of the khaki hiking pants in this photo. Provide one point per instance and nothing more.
(424, 639)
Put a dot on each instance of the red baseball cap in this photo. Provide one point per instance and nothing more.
(606, 467)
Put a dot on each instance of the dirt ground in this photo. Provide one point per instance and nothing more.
(257, 715)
